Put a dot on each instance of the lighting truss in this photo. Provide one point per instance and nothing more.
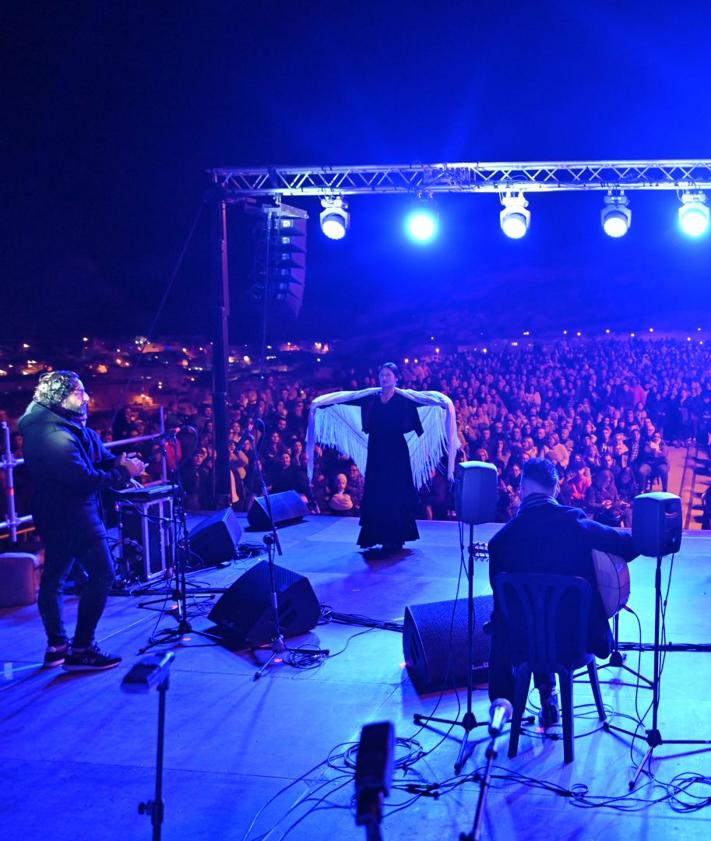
(238, 183)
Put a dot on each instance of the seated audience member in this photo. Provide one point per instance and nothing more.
(575, 486)
(287, 476)
(320, 492)
(340, 502)
(356, 486)
(627, 485)
(655, 464)
(602, 501)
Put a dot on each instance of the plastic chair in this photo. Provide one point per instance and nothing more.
(546, 619)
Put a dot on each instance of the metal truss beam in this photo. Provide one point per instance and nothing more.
(541, 177)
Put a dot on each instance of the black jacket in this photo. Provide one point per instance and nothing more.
(555, 539)
(69, 467)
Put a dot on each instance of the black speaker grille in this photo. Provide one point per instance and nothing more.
(244, 613)
(435, 643)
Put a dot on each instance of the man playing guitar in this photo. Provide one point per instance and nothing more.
(546, 537)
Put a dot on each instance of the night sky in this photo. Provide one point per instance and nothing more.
(114, 110)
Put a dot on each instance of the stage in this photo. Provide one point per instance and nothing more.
(248, 759)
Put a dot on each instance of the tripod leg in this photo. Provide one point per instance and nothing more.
(262, 669)
(640, 768)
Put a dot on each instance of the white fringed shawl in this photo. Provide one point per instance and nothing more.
(334, 424)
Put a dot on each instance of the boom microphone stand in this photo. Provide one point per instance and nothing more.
(469, 721)
(271, 541)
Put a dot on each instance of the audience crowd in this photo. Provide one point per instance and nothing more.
(603, 410)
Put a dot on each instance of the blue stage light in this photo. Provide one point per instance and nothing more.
(422, 224)
(694, 214)
(514, 218)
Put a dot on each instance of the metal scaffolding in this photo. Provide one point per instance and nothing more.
(538, 177)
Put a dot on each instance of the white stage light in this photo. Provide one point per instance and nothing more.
(421, 224)
(616, 216)
(334, 217)
(694, 214)
(514, 218)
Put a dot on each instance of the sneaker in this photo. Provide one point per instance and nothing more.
(548, 715)
(89, 659)
(55, 655)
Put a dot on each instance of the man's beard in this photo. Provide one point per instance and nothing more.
(81, 414)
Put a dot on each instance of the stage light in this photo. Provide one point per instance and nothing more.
(334, 217)
(422, 224)
(694, 214)
(514, 218)
(616, 216)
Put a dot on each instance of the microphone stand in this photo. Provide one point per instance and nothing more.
(155, 808)
(654, 737)
(180, 592)
(142, 678)
(484, 784)
(617, 659)
(469, 721)
(271, 541)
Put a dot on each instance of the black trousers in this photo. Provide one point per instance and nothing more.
(501, 679)
(62, 551)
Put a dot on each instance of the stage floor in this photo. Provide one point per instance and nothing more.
(249, 760)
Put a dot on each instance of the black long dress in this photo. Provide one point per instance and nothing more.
(389, 495)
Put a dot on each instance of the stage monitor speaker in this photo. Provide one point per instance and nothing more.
(287, 507)
(435, 643)
(656, 524)
(214, 541)
(244, 614)
(476, 491)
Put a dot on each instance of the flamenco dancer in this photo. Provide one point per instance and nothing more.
(396, 438)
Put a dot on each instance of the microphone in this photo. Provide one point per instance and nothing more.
(499, 713)
(375, 765)
(148, 673)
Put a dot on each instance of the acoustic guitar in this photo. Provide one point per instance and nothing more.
(613, 581)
